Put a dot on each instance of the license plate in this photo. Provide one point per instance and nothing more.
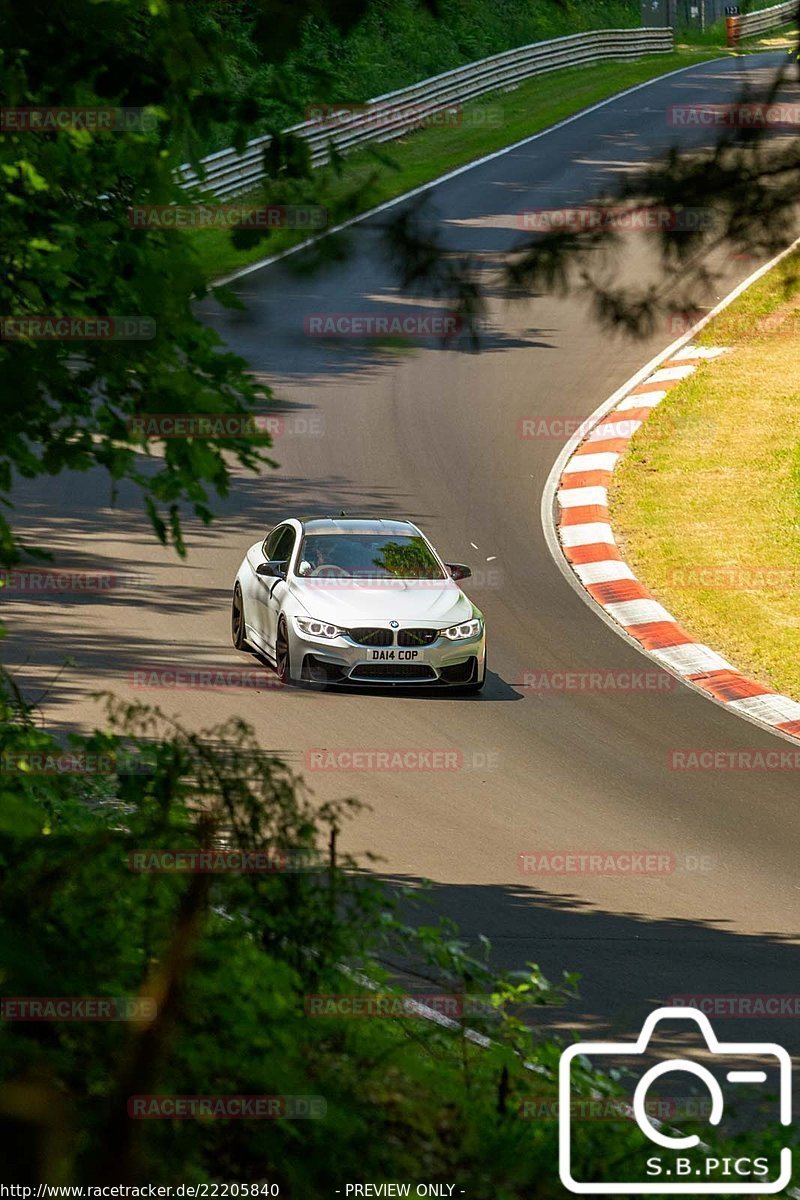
(395, 655)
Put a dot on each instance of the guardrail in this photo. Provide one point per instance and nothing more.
(752, 23)
(430, 101)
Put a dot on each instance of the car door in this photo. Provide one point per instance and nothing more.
(253, 588)
(270, 590)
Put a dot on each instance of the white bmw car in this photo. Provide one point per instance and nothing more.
(350, 600)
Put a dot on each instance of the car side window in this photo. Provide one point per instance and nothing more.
(271, 542)
(281, 550)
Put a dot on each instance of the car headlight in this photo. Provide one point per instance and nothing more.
(456, 633)
(320, 629)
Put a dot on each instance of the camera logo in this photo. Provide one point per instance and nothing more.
(683, 1164)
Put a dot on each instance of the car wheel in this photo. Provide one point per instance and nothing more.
(283, 664)
(237, 620)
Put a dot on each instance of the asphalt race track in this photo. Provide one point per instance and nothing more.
(431, 433)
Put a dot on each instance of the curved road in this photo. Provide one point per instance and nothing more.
(433, 434)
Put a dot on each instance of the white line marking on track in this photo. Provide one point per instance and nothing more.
(693, 658)
(668, 373)
(768, 707)
(591, 462)
(638, 612)
(587, 535)
(645, 400)
(580, 496)
(610, 570)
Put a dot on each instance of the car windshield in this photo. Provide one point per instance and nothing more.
(368, 556)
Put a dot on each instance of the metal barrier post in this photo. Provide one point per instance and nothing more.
(732, 27)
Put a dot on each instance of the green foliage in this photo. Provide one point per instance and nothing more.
(69, 250)
(398, 43)
(410, 559)
(389, 44)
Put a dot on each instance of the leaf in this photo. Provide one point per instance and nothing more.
(19, 816)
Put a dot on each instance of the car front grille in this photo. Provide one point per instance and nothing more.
(368, 636)
(417, 637)
(396, 671)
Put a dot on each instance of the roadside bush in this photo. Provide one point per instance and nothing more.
(396, 43)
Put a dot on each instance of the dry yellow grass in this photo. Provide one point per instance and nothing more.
(712, 481)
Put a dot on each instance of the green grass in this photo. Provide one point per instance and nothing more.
(489, 124)
(712, 481)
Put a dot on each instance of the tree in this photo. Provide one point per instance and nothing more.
(69, 251)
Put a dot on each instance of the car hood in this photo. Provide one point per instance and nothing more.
(349, 602)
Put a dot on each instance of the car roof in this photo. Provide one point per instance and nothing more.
(350, 524)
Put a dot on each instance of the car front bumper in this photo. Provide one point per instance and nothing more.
(443, 663)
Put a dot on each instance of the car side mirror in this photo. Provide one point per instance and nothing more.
(272, 568)
(458, 571)
(304, 568)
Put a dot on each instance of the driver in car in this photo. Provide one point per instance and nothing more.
(319, 554)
